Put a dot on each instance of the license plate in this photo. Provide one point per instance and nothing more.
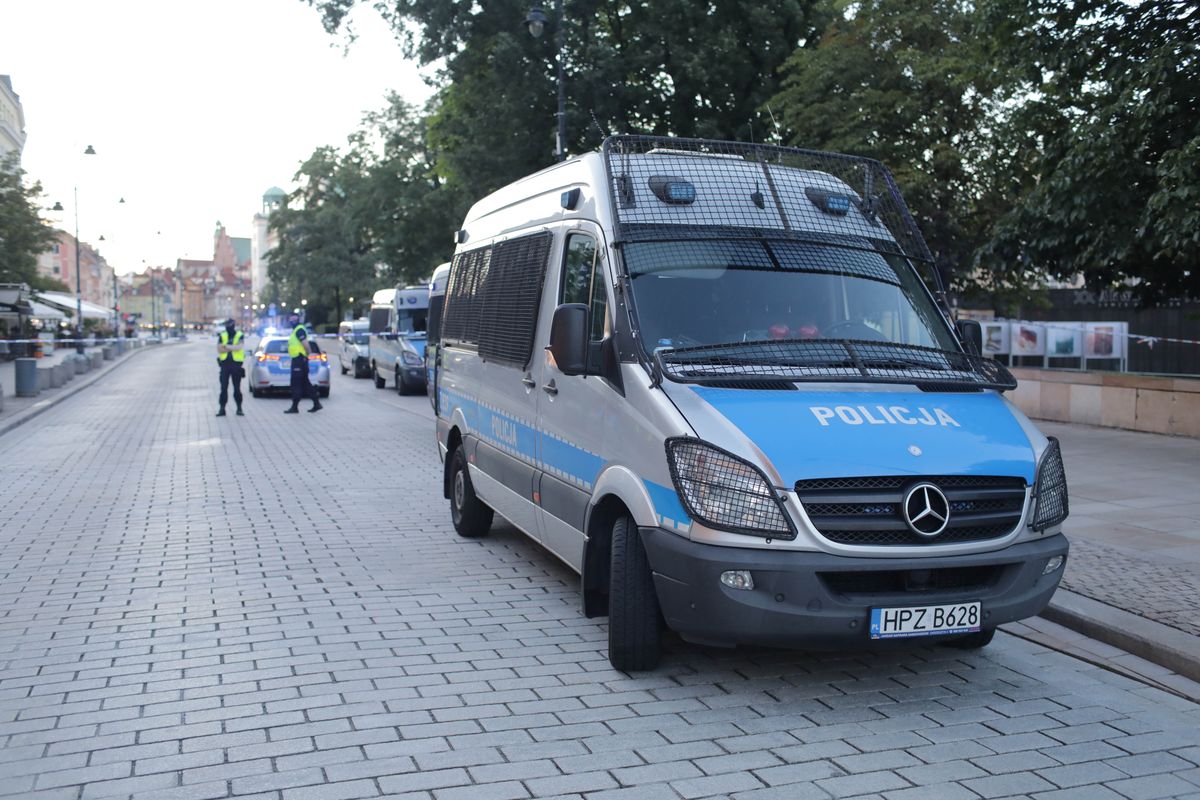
(894, 623)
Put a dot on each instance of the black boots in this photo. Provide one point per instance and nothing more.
(221, 411)
(292, 410)
(239, 412)
(316, 406)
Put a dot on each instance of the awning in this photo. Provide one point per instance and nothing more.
(43, 311)
(66, 304)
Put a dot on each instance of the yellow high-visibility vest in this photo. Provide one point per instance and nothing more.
(238, 355)
(296, 347)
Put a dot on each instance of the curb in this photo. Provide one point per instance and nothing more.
(40, 407)
(1161, 644)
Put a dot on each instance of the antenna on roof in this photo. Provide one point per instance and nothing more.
(775, 122)
(604, 133)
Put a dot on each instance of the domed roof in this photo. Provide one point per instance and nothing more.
(274, 193)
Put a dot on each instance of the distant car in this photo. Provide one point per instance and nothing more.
(270, 369)
(354, 348)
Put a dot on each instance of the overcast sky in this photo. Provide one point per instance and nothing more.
(194, 109)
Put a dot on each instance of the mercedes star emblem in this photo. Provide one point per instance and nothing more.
(926, 510)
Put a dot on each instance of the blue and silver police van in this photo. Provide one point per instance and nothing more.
(712, 378)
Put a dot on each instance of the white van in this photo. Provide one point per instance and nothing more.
(709, 378)
(396, 323)
(354, 352)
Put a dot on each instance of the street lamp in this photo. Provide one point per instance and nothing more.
(536, 21)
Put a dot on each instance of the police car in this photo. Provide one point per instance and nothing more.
(270, 369)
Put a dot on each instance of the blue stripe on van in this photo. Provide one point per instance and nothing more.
(519, 438)
(667, 506)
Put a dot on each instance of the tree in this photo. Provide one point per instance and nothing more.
(900, 81)
(23, 233)
(1111, 132)
(649, 66)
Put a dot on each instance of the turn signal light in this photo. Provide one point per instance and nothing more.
(267, 357)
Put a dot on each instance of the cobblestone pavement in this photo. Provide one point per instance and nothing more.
(277, 607)
(1135, 521)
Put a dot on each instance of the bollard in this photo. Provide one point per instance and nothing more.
(43, 379)
(82, 364)
(97, 358)
(56, 376)
(107, 352)
(27, 379)
(66, 371)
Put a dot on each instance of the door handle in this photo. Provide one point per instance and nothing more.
(528, 381)
(550, 388)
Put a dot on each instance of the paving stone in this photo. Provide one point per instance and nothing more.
(341, 644)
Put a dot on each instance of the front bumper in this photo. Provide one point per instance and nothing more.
(819, 599)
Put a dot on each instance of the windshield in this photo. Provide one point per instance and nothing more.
(358, 337)
(411, 320)
(275, 346)
(690, 294)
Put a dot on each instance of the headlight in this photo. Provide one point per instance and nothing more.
(411, 359)
(1050, 491)
(725, 492)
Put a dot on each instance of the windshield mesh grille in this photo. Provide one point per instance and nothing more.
(753, 190)
(805, 360)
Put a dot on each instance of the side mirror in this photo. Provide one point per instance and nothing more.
(970, 332)
(568, 338)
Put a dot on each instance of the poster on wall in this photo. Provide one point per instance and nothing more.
(1064, 339)
(995, 339)
(1028, 339)
(1105, 339)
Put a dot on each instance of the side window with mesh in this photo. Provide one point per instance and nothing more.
(509, 295)
(460, 320)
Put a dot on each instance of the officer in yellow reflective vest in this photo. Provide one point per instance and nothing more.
(298, 351)
(231, 353)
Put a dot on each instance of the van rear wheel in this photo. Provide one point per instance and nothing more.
(634, 620)
(471, 516)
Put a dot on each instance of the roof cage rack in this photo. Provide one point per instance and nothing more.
(668, 188)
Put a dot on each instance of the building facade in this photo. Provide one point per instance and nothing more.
(12, 120)
(264, 241)
(95, 275)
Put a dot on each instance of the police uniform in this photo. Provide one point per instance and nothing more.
(301, 386)
(232, 368)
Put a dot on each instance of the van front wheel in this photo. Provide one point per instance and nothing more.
(380, 381)
(472, 518)
(634, 622)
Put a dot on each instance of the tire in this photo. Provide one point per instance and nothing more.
(324, 391)
(972, 641)
(471, 516)
(254, 392)
(634, 619)
(345, 369)
(401, 388)
(380, 381)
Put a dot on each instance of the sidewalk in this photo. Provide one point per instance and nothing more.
(17, 410)
(1133, 577)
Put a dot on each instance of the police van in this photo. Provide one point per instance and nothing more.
(396, 339)
(712, 379)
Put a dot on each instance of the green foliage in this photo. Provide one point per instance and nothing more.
(1111, 134)
(373, 216)
(23, 233)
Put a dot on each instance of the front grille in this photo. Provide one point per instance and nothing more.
(957, 579)
(868, 511)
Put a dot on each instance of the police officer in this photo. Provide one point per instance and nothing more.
(231, 353)
(298, 345)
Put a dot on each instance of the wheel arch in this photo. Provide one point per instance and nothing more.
(618, 491)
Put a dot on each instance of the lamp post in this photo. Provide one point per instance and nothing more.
(90, 151)
(535, 22)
